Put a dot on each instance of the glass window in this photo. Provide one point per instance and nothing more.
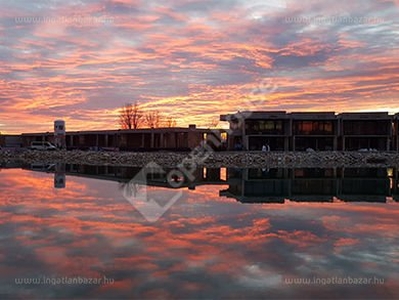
(264, 127)
(313, 127)
(357, 127)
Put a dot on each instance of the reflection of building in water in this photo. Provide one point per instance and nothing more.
(201, 176)
(58, 169)
(254, 185)
(257, 185)
(395, 184)
(364, 184)
(308, 184)
(313, 184)
(59, 176)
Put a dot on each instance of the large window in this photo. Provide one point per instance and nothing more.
(264, 127)
(358, 127)
(256, 143)
(307, 186)
(313, 127)
(356, 143)
(316, 143)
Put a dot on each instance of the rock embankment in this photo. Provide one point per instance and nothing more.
(209, 159)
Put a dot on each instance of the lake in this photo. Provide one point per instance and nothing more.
(75, 231)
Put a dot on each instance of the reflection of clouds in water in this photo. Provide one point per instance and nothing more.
(212, 248)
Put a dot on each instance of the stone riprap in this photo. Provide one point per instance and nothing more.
(208, 159)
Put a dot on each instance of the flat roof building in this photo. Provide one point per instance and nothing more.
(319, 131)
(396, 131)
(314, 130)
(252, 130)
(371, 130)
(174, 138)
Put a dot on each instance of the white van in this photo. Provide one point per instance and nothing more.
(42, 145)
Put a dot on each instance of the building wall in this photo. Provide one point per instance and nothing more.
(323, 131)
(27, 139)
(396, 133)
(127, 140)
(366, 134)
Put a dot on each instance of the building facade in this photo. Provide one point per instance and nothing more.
(145, 139)
(257, 129)
(318, 131)
(253, 131)
(396, 131)
(366, 131)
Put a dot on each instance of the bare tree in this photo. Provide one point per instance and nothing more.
(153, 119)
(130, 116)
(170, 122)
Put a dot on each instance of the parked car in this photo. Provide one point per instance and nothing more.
(42, 145)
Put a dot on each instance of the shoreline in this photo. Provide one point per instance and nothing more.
(211, 159)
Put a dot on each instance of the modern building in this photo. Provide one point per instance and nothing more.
(248, 130)
(176, 138)
(371, 130)
(314, 130)
(252, 130)
(396, 131)
(319, 131)
(10, 141)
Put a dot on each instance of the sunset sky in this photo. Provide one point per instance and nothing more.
(193, 60)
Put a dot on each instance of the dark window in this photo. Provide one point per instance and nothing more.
(264, 127)
(313, 186)
(362, 127)
(316, 143)
(313, 173)
(365, 186)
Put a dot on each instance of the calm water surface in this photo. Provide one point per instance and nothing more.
(209, 244)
